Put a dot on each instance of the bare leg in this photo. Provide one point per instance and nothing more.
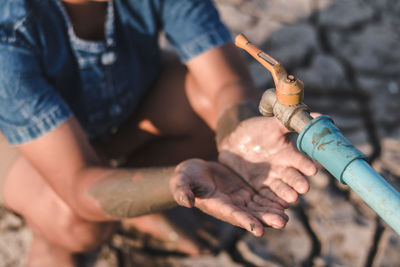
(165, 129)
(44, 254)
(160, 228)
(58, 232)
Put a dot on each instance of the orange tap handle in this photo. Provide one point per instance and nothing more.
(266, 60)
(289, 91)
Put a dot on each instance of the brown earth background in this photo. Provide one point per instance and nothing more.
(347, 52)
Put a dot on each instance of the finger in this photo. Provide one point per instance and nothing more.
(266, 202)
(271, 219)
(296, 180)
(247, 221)
(266, 192)
(283, 191)
(280, 125)
(275, 218)
(315, 114)
(302, 163)
(181, 191)
(226, 211)
(254, 206)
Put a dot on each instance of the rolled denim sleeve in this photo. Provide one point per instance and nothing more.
(29, 105)
(193, 26)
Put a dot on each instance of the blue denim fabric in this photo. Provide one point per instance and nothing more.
(48, 74)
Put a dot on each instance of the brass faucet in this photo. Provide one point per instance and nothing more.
(284, 102)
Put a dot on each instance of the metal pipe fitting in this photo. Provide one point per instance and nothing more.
(294, 118)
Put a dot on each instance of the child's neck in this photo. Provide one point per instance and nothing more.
(87, 18)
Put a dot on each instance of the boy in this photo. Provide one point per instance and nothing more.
(82, 82)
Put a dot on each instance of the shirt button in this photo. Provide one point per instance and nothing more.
(108, 58)
(110, 41)
(115, 110)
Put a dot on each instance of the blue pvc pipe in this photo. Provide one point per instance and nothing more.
(323, 141)
(375, 191)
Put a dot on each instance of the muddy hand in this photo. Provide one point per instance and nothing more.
(219, 192)
(260, 151)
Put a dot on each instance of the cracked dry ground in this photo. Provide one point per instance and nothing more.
(347, 52)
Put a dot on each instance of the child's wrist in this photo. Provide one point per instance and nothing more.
(232, 117)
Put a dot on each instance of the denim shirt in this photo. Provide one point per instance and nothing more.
(48, 74)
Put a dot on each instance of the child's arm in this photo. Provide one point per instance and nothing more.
(68, 163)
(223, 79)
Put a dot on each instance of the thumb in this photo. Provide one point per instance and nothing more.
(315, 114)
(181, 191)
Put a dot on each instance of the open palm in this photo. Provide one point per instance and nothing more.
(260, 152)
(219, 192)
